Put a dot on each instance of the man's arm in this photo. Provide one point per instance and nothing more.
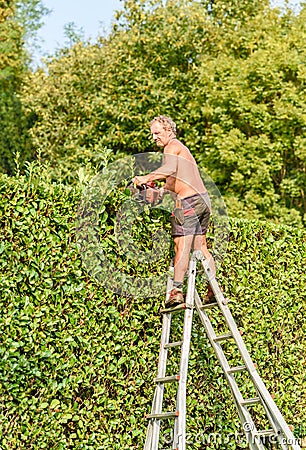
(166, 170)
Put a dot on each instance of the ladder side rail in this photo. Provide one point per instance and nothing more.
(153, 430)
(180, 436)
(160, 387)
(222, 303)
(244, 415)
(216, 346)
(253, 441)
(163, 351)
(275, 425)
(235, 332)
(257, 381)
(181, 398)
(175, 430)
(147, 445)
(274, 412)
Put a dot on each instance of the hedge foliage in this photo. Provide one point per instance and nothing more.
(78, 361)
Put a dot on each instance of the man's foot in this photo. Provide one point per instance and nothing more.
(210, 296)
(176, 297)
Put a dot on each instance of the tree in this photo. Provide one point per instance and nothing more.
(29, 14)
(19, 21)
(13, 133)
(231, 75)
(254, 118)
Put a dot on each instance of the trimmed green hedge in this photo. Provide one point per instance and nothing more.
(77, 361)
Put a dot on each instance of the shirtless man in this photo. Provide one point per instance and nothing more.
(190, 219)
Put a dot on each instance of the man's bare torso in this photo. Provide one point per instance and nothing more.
(187, 180)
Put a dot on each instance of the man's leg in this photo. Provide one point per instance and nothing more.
(200, 243)
(182, 246)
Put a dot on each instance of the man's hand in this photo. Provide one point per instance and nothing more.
(140, 180)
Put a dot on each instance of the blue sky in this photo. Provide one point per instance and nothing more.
(90, 15)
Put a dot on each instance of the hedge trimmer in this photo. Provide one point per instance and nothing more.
(147, 193)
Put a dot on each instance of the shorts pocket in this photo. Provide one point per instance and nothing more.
(179, 216)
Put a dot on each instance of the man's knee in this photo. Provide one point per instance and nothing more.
(182, 244)
(204, 241)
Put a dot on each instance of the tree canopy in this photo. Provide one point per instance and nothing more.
(231, 74)
(18, 21)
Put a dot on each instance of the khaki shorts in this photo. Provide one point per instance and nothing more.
(194, 216)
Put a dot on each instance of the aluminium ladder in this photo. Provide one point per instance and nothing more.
(279, 433)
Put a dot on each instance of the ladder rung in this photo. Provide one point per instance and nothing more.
(250, 401)
(265, 433)
(209, 305)
(236, 369)
(223, 337)
(169, 379)
(165, 415)
(173, 344)
(174, 309)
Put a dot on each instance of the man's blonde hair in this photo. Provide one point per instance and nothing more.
(166, 122)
